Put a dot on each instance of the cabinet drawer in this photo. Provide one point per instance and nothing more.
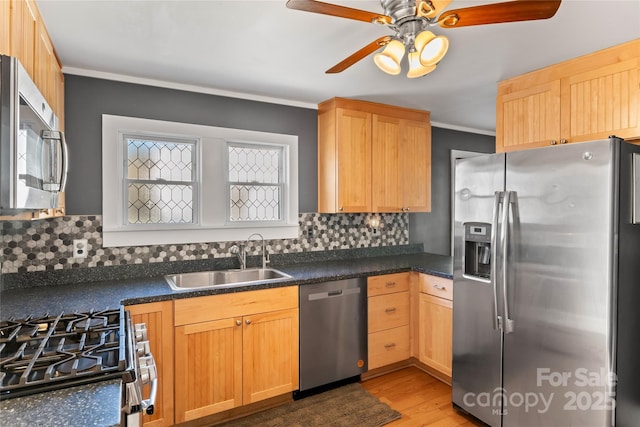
(436, 286)
(390, 346)
(215, 307)
(388, 311)
(387, 283)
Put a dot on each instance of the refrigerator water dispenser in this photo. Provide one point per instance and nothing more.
(477, 254)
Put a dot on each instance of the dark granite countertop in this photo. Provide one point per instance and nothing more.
(96, 404)
(91, 405)
(101, 295)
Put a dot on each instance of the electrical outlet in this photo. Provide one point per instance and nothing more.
(374, 232)
(309, 232)
(80, 248)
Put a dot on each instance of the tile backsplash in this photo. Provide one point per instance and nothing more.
(46, 244)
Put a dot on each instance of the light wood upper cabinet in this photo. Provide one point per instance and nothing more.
(373, 157)
(24, 23)
(158, 316)
(529, 117)
(5, 27)
(415, 156)
(243, 351)
(602, 102)
(583, 99)
(353, 130)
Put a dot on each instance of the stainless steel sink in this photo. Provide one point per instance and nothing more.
(224, 278)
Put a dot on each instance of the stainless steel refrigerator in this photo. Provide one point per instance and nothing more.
(546, 295)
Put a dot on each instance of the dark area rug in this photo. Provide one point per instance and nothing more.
(346, 406)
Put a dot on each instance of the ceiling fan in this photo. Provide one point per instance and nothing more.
(410, 20)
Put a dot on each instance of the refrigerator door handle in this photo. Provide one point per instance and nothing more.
(497, 320)
(510, 198)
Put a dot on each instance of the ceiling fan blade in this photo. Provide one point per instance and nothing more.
(339, 11)
(429, 9)
(362, 53)
(513, 11)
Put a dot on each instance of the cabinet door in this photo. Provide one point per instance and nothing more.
(436, 332)
(353, 134)
(602, 102)
(415, 153)
(158, 317)
(5, 25)
(24, 18)
(270, 354)
(386, 173)
(528, 118)
(208, 368)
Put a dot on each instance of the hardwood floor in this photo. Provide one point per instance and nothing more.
(421, 399)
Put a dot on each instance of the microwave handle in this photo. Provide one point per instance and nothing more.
(62, 179)
(65, 162)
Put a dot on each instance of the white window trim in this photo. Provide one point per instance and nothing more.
(213, 197)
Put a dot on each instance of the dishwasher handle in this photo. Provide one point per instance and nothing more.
(333, 294)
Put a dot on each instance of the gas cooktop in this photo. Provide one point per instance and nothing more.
(45, 353)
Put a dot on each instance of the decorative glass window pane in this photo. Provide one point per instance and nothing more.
(255, 182)
(160, 181)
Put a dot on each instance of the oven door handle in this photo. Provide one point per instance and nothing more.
(148, 405)
(149, 374)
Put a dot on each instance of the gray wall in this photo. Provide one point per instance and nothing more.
(433, 229)
(88, 98)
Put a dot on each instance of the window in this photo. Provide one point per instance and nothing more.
(160, 180)
(255, 182)
(166, 182)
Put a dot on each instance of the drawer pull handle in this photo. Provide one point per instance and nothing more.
(390, 346)
(390, 284)
(390, 310)
(440, 287)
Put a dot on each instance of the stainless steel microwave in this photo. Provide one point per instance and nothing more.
(33, 153)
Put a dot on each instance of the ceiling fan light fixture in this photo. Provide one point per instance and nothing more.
(431, 48)
(389, 59)
(416, 69)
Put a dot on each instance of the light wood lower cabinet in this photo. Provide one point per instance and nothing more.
(249, 355)
(436, 332)
(389, 317)
(158, 317)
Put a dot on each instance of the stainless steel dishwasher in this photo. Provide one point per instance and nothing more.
(333, 331)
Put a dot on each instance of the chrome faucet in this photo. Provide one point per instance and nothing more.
(265, 254)
(241, 254)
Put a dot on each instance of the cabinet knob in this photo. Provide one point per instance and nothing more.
(248, 321)
(390, 346)
(563, 141)
(341, 208)
(554, 142)
(390, 310)
(238, 322)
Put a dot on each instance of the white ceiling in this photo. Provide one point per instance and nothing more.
(262, 50)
